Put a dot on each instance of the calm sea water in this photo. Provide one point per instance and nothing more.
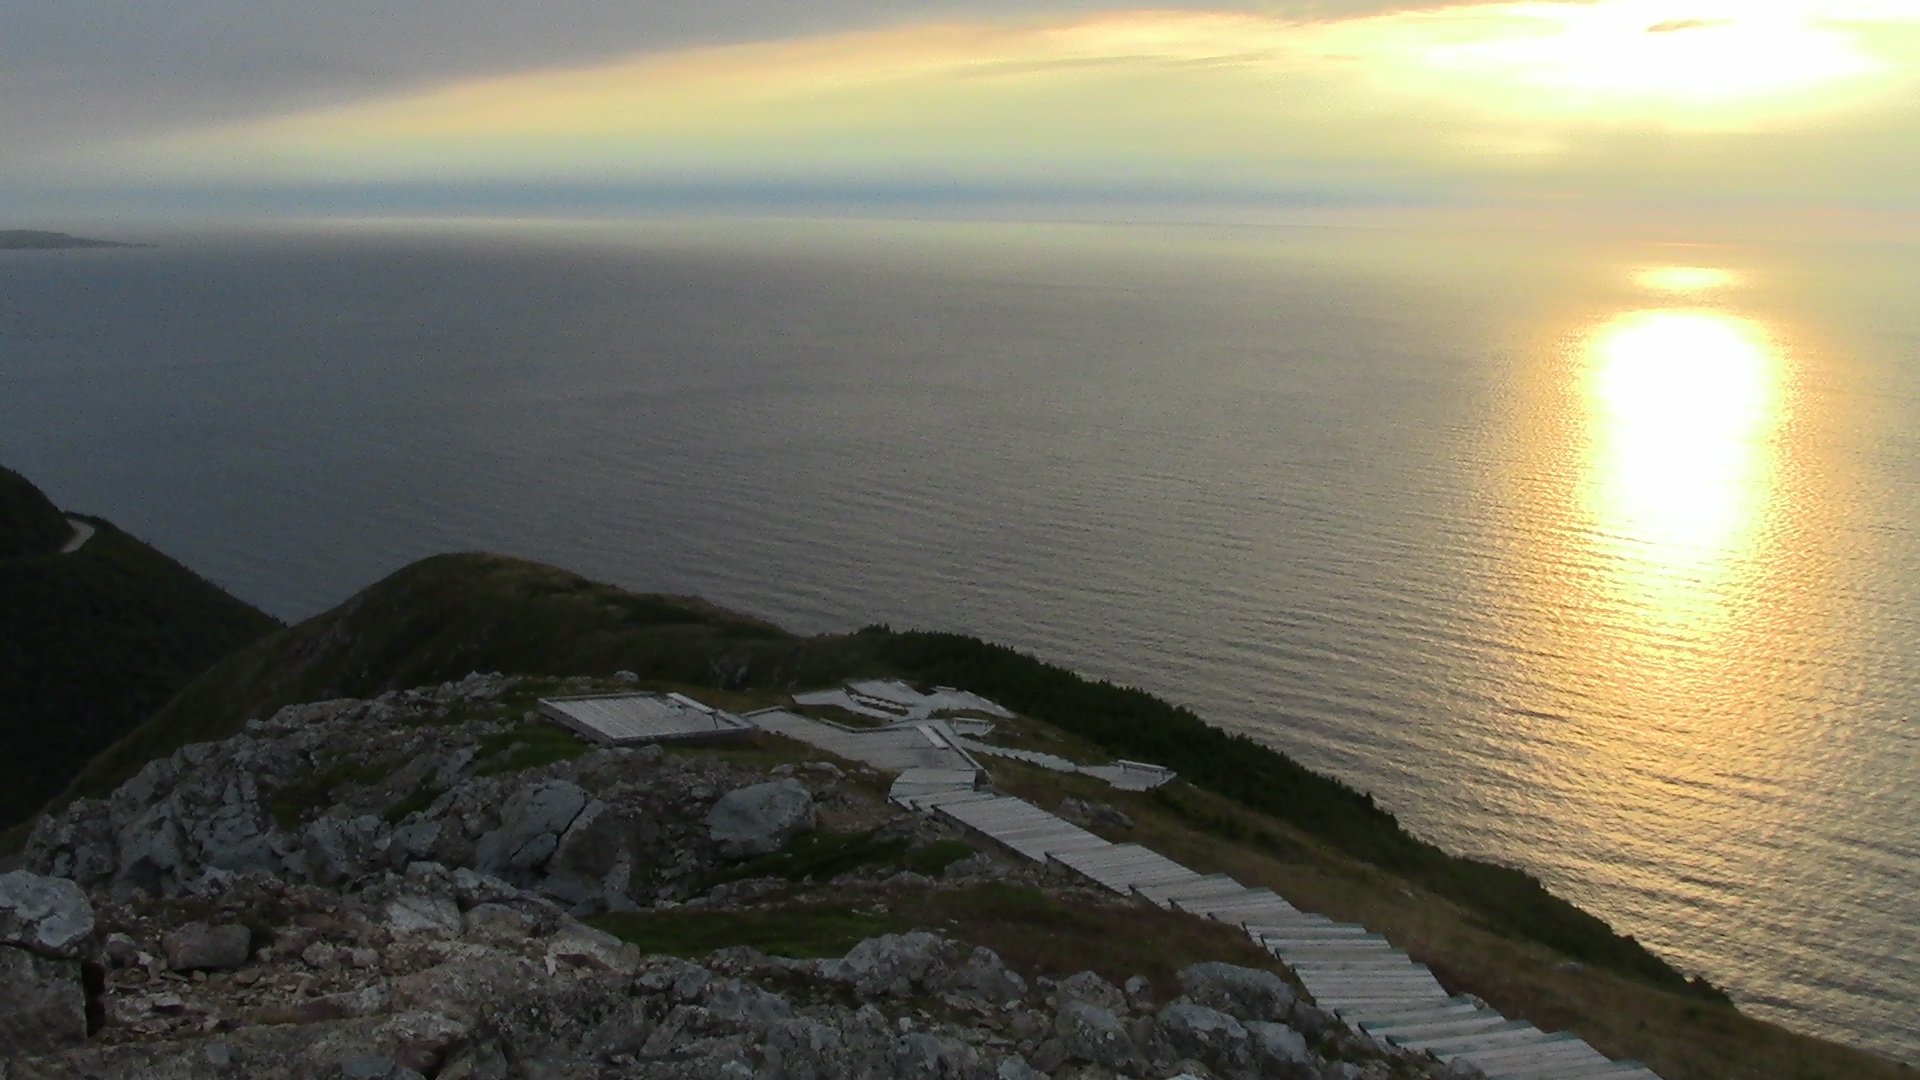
(1596, 558)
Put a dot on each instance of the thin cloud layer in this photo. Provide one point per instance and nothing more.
(1796, 100)
(75, 70)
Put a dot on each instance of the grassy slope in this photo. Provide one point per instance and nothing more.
(90, 644)
(446, 616)
(1257, 813)
(1135, 724)
(29, 522)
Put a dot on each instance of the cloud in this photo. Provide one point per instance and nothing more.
(1527, 99)
(72, 71)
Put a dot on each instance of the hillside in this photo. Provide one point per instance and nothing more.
(42, 240)
(29, 522)
(92, 642)
(443, 617)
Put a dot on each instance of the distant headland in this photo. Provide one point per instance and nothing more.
(42, 240)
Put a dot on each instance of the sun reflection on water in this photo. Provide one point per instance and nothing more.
(1682, 407)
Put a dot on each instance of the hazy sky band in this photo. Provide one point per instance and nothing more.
(1796, 101)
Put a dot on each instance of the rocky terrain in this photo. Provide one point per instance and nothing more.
(403, 887)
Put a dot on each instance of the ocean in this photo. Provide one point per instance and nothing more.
(1591, 556)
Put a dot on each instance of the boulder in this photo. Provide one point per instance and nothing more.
(737, 1000)
(986, 978)
(1184, 1030)
(1139, 993)
(895, 964)
(1279, 1051)
(413, 913)
(922, 1055)
(1092, 989)
(1092, 1034)
(1243, 993)
(756, 820)
(43, 1003)
(198, 946)
(50, 916)
(340, 849)
(531, 822)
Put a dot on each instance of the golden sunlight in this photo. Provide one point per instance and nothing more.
(1682, 409)
(1684, 52)
(1684, 278)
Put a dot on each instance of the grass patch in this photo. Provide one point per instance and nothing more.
(289, 804)
(834, 714)
(528, 746)
(800, 932)
(822, 854)
(1133, 723)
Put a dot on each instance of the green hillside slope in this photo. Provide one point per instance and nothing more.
(446, 616)
(92, 642)
(29, 522)
(452, 614)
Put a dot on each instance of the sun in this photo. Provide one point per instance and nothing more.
(1653, 53)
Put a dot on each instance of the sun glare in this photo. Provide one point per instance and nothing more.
(1683, 278)
(1682, 406)
(1701, 53)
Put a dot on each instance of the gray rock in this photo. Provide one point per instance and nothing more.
(1184, 1029)
(414, 841)
(1139, 993)
(986, 978)
(758, 819)
(150, 849)
(896, 964)
(43, 1005)
(497, 923)
(1091, 988)
(1279, 1051)
(1014, 1067)
(679, 980)
(434, 916)
(1090, 1033)
(341, 849)
(736, 1000)
(922, 1055)
(197, 946)
(50, 916)
(1244, 993)
(1311, 1020)
(531, 822)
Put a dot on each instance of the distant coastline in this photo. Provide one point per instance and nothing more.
(42, 240)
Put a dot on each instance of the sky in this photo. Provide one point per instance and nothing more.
(1564, 103)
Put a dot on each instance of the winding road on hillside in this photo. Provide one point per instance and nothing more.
(82, 532)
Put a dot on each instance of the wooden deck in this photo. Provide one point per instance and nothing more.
(1354, 973)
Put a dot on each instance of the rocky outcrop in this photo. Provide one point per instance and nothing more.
(46, 927)
(758, 819)
(369, 889)
(337, 793)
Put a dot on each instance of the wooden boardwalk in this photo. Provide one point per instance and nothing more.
(1354, 973)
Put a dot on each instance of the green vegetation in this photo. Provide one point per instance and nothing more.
(822, 854)
(801, 932)
(1033, 932)
(30, 524)
(443, 617)
(93, 642)
(528, 746)
(1135, 724)
(291, 803)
